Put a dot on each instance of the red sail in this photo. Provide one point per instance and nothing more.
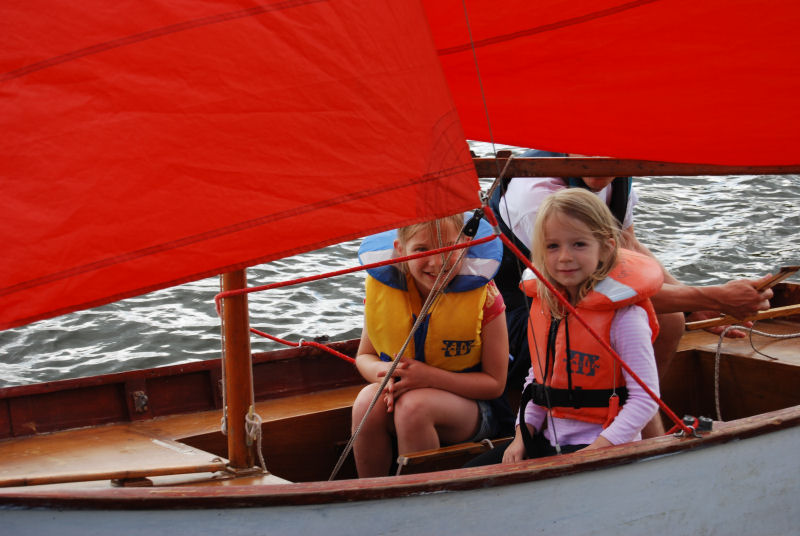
(147, 144)
(711, 81)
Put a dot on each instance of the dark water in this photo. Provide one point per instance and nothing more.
(705, 230)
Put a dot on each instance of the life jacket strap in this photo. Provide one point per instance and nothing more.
(552, 397)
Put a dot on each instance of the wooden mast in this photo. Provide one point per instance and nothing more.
(238, 369)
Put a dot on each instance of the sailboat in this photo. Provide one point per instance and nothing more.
(154, 144)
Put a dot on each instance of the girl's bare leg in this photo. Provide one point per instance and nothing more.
(372, 448)
(424, 418)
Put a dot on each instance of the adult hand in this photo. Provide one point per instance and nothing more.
(739, 298)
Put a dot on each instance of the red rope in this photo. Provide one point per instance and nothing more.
(492, 219)
(305, 343)
(237, 292)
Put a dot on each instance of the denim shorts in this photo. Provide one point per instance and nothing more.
(488, 424)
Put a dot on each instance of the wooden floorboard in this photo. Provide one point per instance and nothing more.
(142, 448)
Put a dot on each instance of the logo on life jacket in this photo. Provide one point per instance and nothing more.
(582, 363)
(456, 348)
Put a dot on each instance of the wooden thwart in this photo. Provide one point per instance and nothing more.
(413, 462)
(775, 312)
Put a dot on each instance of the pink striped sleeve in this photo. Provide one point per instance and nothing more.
(630, 337)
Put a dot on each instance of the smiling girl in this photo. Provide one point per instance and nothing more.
(579, 395)
(446, 389)
(592, 402)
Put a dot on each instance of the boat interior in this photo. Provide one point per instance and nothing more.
(161, 427)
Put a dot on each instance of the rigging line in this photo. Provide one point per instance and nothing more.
(464, 245)
(498, 180)
(480, 78)
(224, 421)
(433, 295)
(302, 342)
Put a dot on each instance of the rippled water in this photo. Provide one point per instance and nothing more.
(705, 230)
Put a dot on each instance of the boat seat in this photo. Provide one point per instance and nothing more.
(449, 457)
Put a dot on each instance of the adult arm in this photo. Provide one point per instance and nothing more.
(738, 298)
(629, 241)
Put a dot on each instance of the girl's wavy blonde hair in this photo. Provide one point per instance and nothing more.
(587, 208)
(404, 234)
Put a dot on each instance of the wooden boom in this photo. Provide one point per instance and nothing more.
(723, 320)
(612, 167)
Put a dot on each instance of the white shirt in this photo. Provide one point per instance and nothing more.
(520, 204)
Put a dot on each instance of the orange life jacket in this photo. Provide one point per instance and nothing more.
(580, 387)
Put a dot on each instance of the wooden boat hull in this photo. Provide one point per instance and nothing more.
(742, 477)
(727, 483)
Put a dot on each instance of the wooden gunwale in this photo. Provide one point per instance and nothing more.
(236, 496)
(346, 347)
(183, 388)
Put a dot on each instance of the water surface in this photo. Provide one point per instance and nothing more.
(705, 230)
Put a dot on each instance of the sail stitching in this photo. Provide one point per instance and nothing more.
(152, 34)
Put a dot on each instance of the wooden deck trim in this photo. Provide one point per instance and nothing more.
(423, 457)
(144, 394)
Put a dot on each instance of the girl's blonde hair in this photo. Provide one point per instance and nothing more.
(404, 234)
(587, 208)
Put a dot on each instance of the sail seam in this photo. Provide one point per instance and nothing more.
(152, 34)
(545, 27)
(230, 229)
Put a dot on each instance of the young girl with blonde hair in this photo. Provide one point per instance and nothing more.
(579, 395)
(446, 388)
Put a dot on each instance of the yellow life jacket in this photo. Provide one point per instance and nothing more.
(450, 337)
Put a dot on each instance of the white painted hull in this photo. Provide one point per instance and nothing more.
(748, 486)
